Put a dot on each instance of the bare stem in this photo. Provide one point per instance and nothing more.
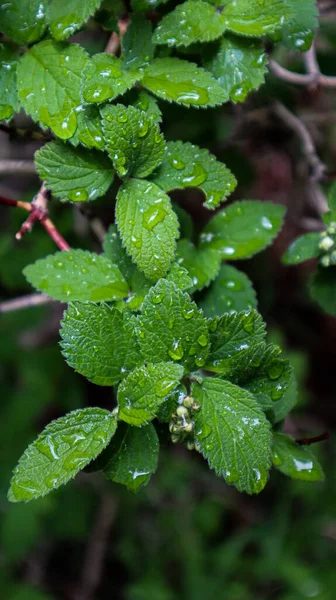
(21, 167)
(312, 77)
(24, 302)
(96, 549)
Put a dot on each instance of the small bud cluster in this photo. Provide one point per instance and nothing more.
(181, 426)
(327, 245)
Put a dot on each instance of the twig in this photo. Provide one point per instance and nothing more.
(10, 167)
(313, 77)
(114, 40)
(38, 212)
(294, 123)
(95, 553)
(24, 302)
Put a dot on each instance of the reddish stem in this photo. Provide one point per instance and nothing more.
(313, 440)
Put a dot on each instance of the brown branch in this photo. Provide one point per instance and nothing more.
(10, 167)
(96, 549)
(24, 302)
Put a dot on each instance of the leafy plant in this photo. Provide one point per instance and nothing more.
(200, 364)
(319, 245)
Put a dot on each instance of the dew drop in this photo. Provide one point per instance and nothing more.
(78, 195)
(176, 352)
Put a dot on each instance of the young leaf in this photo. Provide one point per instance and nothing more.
(323, 289)
(230, 335)
(250, 17)
(23, 20)
(49, 77)
(294, 460)
(105, 78)
(74, 174)
(137, 45)
(171, 328)
(185, 165)
(192, 21)
(239, 65)
(60, 451)
(233, 434)
(145, 389)
(99, 342)
(89, 130)
(303, 248)
(183, 82)
(134, 455)
(77, 275)
(298, 31)
(64, 17)
(202, 264)
(243, 229)
(133, 140)
(148, 226)
(231, 291)
(9, 101)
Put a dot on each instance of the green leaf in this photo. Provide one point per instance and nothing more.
(145, 102)
(64, 17)
(137, 46)
(298, 31)
(139, 285)
(74, 174)
(134, 456)
(233, 434)
(303, 248)
(185, 165)
(77, 275)
(183, 82)
(145, 5)
(202, 265)
(239, 66)
(105, 78)
(323, 289)
(243, 229)
(294, 460)
(267, 375)
(89, 130)
(332, 199)
(9, 101)
(99, 342)
(49, 76)
(109, 13)
(170, 327)
(284, 405)
(133, 140)
(185, 220)
(250, 17)
(232, 335)
(231, 291)
(23, 20)
(60, 451)
(148, 226)
(144, 390)
(167, 409)
(192, 21)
